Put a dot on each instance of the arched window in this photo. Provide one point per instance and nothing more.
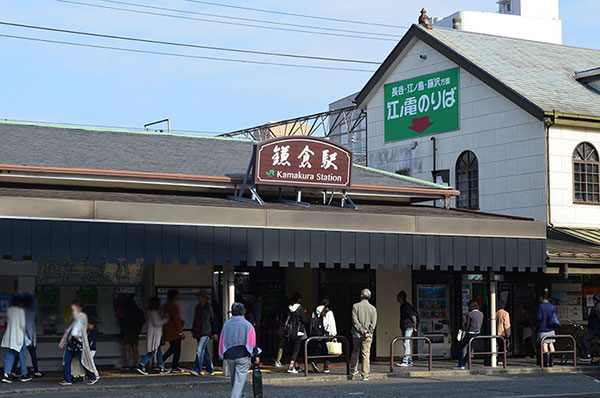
(467, 181)
(585, 174)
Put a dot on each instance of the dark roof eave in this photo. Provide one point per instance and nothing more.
(455, 57)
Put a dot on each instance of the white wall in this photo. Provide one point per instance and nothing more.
(509, 142)
(562, 142)
(529, 28)
(389, 283)
(536, 8)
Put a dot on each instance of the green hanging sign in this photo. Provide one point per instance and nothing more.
(424, 105)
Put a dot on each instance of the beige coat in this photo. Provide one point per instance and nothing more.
(503, 323)
(155, 326)
(87, 361)
(14, 337)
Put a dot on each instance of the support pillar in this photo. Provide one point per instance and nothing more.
(493, 330)
(228, 299)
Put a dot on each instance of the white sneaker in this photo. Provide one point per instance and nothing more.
(292, 370)
(278, 364)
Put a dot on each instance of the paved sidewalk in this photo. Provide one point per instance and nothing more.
(122, 380)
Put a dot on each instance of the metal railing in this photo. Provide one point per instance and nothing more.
(328, 338)
(559, 336)
(399, 338)
(470, 349)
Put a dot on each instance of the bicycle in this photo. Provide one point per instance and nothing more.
(578, 331)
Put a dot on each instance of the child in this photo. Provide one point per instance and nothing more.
(92, 334)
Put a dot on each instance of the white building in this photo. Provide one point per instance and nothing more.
(524, 19)
(525, 136)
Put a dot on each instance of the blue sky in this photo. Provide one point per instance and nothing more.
(54, 83)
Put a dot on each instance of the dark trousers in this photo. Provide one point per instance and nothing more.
(67, 370)
(462, 351)
(175, 350)
(528, 347)
(296, 345)
(587, 339)
(34, 362)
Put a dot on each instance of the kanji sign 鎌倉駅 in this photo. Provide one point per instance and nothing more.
(423, 105)
(303, 162)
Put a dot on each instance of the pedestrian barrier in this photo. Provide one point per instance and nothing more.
(470, 350)
(399, 338)
(328, 338)
(559, 336)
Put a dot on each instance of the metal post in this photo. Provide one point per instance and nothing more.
(228, 299)
(493, 342)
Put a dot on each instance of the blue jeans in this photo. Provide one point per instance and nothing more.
(149, 355)
(408, 346)
(463, 352)
(68, 358)
(9, 359)
(203, 357)
(585, 341)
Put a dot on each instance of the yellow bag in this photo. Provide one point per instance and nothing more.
(334, 348)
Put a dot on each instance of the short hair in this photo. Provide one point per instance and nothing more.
(473, 305)
(201, 294)
(91, 320)
(77, 303)
(154, 303)
(366, 294)
(296, 297)
(597, 297)
(402, 295)
(546, 294)
(16, 301)
(325, 302)
(172, 294)
(237, 309)
(501, 304)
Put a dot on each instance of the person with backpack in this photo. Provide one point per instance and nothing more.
(409, 320)
(154, 336)
(204, 328)
(295, 329)
(593, 330)
(548, 322)
(133, 322)
(322, 323)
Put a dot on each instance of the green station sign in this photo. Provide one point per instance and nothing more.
(423, 105)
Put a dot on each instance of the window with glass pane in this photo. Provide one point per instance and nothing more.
(467, 181)
(586, 181)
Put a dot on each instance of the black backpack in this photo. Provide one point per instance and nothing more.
(317, 328)
(291, 326)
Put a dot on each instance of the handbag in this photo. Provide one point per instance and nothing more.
(334, 348)
(460, 335)
(64, 340)
(554, 322)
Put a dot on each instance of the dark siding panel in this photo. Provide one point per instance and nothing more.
(205, 237)
(460, 252)
(348, 244)
(271, 247)
(135, 242)
(255, 246)
(416, 251)
(238, 246)
(41, 246)
(377, 248)
(21, 241)
(286, 247)
(405, 246)
(187, 244)
(332, 248)
(5, 237)
(499, 253)
(170, 243)
(446, 252)
(152, 243)
(221, 245)
(433, 251)
(472, 253)
(117, 242)
(390, 259)
(317, 248)
(80, 240)
(511, 253)
(486, 253)
(363, 247)
(60, 240)
(301, 248)
(523, 260)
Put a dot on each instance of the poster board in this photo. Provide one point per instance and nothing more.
(188, 299)
(568, 299)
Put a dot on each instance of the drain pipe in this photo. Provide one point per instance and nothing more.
(433, 172)
(548, 123)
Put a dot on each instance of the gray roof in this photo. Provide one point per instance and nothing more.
(538, 76)
(55, 146)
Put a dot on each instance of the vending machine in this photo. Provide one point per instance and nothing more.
(433, 305)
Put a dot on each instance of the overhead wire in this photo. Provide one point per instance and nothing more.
(179, 44)
(227, 22)
(248, 19)
(36, 39)
(295, 14)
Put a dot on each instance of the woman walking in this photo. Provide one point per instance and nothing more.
(329, 329)
(547, 323)
(295, 329)
(173, 330)
(154, 336)
(76, 345)
(471, 329)
(13, 340)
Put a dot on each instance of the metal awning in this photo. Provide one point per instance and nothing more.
(590, 235)
(254, 246)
